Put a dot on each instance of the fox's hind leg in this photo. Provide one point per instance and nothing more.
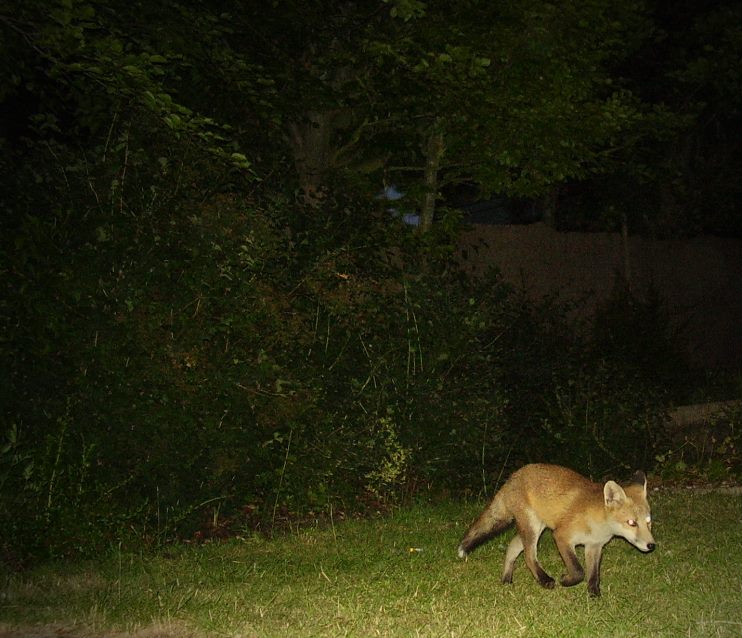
(514, 550)
(529, 534)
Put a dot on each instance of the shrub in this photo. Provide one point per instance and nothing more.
(180, 363)
(168, 363)
(578, 399)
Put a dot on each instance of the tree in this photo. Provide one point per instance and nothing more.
(515, 97)
(678, 174)
(74, 71)
(521, 94)
(702, 72)
(174, 328)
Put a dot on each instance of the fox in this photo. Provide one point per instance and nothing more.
(576, 510)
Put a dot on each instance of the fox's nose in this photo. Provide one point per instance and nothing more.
(650, 547)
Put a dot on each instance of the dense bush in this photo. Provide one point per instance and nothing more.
(190, 345)
(578, 399)
(177, 362)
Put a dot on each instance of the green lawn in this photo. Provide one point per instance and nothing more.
(359, 578)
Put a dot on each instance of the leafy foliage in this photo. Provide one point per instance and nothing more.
(707, 450)
(187, 346)
(677, 173)
(232, 360)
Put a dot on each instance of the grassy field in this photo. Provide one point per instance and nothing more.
(360, 578)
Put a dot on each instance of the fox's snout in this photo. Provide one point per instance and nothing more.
(643, 542)
(644, 546)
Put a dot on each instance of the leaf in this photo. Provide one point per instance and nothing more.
(150, 100)
(173, 120)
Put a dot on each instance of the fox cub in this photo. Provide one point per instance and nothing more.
(578, 511)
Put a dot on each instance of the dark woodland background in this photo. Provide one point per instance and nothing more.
(212, 321)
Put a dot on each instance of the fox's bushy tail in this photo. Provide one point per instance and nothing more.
(494, 519)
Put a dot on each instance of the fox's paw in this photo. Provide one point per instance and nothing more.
(569, 581)
(547, 582)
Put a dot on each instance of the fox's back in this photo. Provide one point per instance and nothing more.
(551, 492)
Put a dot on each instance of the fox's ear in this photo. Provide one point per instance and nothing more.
(640, 479)
(613, 494)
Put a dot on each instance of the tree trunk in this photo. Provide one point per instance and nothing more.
(311, 141)
(433, 154)
(626, 255)
(549, 206)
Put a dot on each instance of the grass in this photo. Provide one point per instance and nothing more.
(359, 578)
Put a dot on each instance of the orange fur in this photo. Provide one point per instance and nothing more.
(578, 511)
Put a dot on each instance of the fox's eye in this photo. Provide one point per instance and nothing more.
(631, 522)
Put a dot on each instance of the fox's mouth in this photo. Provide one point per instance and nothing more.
(645, 548)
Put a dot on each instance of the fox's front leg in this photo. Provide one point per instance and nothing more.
(575, 574)
(593, 554)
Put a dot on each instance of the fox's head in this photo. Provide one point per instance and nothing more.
(628, 511)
